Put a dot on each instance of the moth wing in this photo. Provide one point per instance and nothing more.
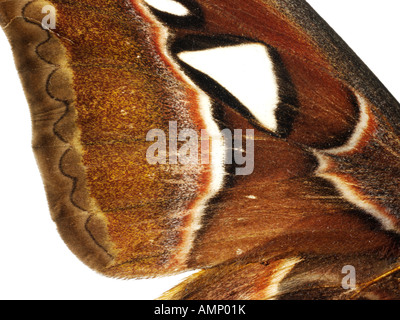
(310, 198)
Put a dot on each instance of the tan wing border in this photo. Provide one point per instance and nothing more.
(42, 64)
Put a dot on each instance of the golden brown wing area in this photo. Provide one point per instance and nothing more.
(96, 85)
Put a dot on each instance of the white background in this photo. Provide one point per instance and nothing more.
(34, 262)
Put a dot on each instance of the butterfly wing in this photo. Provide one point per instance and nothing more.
(322, 191)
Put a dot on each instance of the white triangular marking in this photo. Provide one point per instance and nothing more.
(246, 71)
(169, 6)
